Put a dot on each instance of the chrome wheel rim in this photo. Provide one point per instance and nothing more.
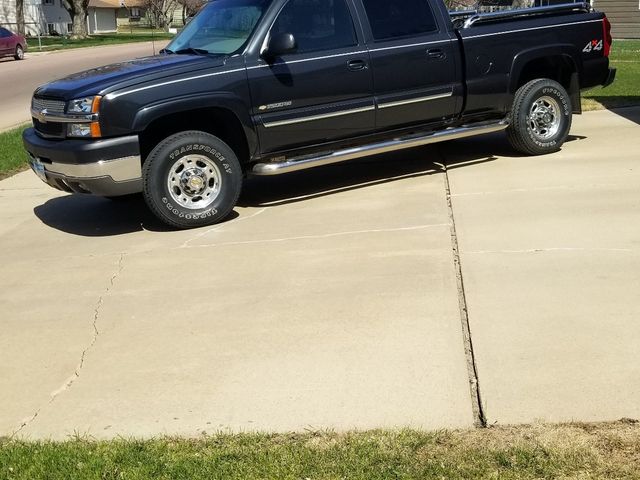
(20, 53)
(194, 181)
(544, 117)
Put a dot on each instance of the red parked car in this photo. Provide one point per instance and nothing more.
(11, 44)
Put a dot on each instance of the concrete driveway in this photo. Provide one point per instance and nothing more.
(335, 298)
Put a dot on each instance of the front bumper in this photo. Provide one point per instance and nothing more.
(107, 167)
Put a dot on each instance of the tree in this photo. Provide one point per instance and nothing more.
(190, 8)
(20, 16)
(161, 12)
(78, 12)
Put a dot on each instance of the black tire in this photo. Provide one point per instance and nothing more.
(19, 54)
(540, 119)
(191, 179)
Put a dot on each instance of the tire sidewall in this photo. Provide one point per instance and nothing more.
(547, 88)
(163, 157)
(19, 53)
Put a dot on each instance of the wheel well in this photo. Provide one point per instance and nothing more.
(217, 121)
(559, 68)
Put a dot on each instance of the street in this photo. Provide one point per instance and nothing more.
(361, 295)
(20, 79)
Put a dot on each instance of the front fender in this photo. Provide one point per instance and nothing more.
(224, 100)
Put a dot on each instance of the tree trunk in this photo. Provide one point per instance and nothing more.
(79, 29)
(78, 12)
(20, 16)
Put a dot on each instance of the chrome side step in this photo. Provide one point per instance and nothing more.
(309, 161)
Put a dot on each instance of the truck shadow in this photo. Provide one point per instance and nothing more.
(623, 106)
(90, 216)
(375, 170)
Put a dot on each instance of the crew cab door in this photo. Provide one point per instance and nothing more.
(320, 92)
(414, 59)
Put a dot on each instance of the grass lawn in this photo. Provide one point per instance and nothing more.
(59, 43)
(584, 451)
(13, 157)
(625, 56)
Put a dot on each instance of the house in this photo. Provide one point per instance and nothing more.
(33, 16)
(49, 17)
(624, 16)
(131, 12)
(103, 16)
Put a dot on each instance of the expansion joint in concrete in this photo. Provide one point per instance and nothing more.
(479, 416)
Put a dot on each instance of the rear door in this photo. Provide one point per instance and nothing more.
(321, 92)
(414, 60)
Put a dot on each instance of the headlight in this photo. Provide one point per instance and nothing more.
(84, 105)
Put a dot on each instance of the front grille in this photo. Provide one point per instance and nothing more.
(52, 106)
(49, 129)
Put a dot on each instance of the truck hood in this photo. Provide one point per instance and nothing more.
(114, 76)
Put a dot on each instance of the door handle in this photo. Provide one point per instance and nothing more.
(436, 54)
(356, 65)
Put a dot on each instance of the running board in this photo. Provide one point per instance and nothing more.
(309, 161)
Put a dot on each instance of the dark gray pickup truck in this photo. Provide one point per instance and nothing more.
(264, 87)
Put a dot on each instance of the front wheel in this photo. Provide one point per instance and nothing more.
(540, 119)
(191, 179)
(19, 53)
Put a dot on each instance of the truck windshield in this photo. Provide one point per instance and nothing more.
(222, 27)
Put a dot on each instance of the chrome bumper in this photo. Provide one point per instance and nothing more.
(107, 167)
(119, 170)
(120, 176)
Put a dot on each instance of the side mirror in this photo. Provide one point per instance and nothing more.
(280, 44)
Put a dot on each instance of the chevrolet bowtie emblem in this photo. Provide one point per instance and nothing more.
(42, 115)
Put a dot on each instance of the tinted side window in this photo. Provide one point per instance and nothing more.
(317, 24)
(399, 18)
(4, 33)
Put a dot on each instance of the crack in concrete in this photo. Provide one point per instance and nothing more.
(94, 338)
(555, 249)
(479, 416)
(320, 236)
(536, 189)
(219, 226)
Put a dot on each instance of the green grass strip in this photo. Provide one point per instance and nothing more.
(13, 156)
(63, 43)
(625, 91)
(565, 451)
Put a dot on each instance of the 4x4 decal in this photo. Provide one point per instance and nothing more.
(593, 46)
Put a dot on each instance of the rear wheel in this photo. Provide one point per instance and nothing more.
(191, 179)
(540, 118)
(19, 54)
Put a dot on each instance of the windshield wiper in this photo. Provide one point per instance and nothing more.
(166, 50)
(194, 51)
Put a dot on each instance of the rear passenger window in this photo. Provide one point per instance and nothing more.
(399, 18)
(317, 24)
